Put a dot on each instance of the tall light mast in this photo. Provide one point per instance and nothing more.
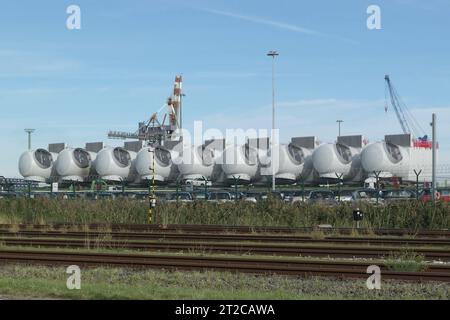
(29, 131)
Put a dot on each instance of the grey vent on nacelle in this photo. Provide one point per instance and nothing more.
(56, 147)
(94, 146)
(403, 140)
(134, 146)
(351, 141)
(305, 142)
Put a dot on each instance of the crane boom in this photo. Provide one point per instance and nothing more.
(397, 106)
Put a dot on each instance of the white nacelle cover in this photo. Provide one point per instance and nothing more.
(196, 162)
(163, 163)
(334, 158)
(74, 164)
(36, 165)
(386, 158)
(240, 162)
(114, 164)
(291, 161)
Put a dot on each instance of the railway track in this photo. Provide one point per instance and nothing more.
(308, 250)
(229, 237)
(248, 265)
(185, 228)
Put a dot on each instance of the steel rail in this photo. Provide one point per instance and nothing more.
(249, 265)
(170, 235)
(228, 228)
(235, 248)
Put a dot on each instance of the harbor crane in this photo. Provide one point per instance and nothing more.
(407, 121)
(153, 130)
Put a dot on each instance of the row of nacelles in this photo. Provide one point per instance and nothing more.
(212, 161)
(302, 160)
(68, 164)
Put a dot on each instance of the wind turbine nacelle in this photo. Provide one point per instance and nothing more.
(334, 160)
(115, 164)
(240, 163)
(196, 163)
(74, 164)
(292, 160)
(386, 159)
(36, 165)
(154, 163)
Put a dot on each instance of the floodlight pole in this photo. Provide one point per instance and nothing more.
(273, 54)
(339, 124)
(29, 131)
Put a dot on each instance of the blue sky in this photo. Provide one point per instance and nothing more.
(73, 86)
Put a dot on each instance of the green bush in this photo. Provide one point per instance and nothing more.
(411, 215)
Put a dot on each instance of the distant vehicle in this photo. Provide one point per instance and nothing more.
(199, 195)
(366, 195)
(219, 196)
(344, 195)
(297, 196)
(251, 196)
(105, 196)
(41, 195)
(8, 195)
(326, 197)
(115, 188)
(71, 195)
(137, 196)
(181, 196)
(441, 195)
(444, 195)
(240, 195)
(199, 182)
(275, 194)
(398, 195)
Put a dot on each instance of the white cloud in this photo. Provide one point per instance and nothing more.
(276, 24)
(272, 23)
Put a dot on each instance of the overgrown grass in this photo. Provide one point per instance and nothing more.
(406, 261)
(411, 215)
(117, 283)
